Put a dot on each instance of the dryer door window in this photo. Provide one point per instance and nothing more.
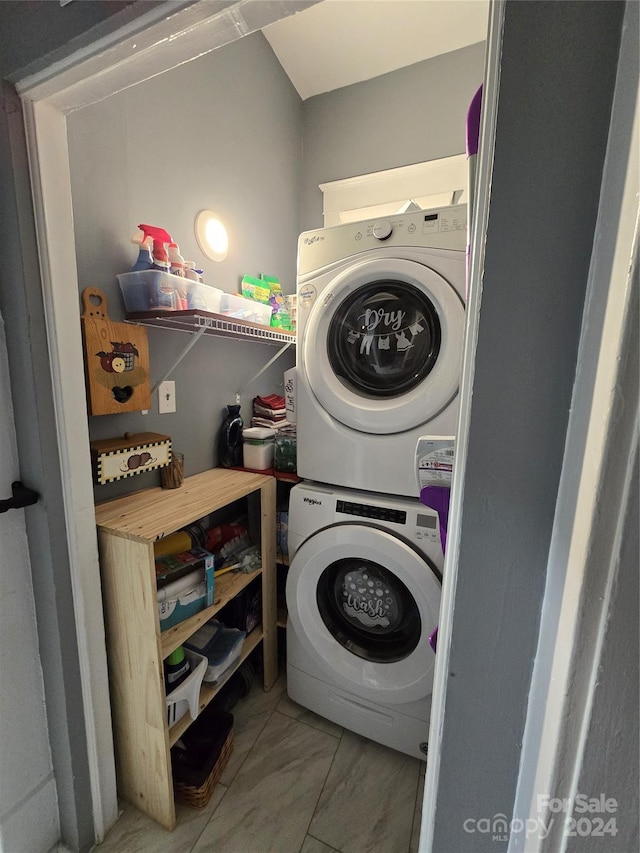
(381, 349)
(368, 610)
(384, 339)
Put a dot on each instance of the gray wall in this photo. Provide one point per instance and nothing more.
(557, 78)
(222, 132)
(246, 147)
(408, 116)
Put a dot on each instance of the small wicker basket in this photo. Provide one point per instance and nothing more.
(189, 786)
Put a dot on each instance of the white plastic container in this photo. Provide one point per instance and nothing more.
(154, 290)
(186, 697)
(202, 296)
(233, 305)
(257, 447)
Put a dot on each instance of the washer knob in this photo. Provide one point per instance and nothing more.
(382, 230)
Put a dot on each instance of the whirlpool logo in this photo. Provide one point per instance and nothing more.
(312, 501)
(309, 241)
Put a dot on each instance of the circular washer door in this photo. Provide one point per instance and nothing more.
(382, 347)
(363, 603)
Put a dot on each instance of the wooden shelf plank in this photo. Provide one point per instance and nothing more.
(281, 619)
(208, 691)
(151, 514)
(284, 476)
(226, 587)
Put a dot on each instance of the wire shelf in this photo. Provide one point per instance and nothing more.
(217, 325)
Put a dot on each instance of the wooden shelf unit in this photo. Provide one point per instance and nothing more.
(127, 529)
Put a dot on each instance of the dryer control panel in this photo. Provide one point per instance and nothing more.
(437, 228)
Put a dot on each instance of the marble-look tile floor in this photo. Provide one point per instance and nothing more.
(295, 783)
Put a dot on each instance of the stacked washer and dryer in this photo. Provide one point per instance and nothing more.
(379, 355)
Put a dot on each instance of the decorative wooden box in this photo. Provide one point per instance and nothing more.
(117, 458)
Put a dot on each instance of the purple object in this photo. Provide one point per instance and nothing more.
(437, 497)
(433, 638)
(473, 123)
(473, 141)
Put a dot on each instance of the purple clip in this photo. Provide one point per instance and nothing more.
(433, 638)
(473, 123)
(437, 497)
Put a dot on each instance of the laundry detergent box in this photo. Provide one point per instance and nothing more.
(184, 594)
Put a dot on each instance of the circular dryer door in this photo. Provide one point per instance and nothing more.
(363, 603)
(382, 347)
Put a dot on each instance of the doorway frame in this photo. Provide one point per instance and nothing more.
(85, 78)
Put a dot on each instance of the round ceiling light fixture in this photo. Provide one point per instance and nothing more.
(211, 235)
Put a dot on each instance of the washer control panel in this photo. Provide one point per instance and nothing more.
(395, 516)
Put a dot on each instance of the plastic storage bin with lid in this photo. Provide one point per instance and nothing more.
(257, 447)
(154, 290)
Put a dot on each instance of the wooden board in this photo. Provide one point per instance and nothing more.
(152, 514)
(116, 359)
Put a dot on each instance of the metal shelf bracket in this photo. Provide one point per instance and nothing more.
(280, 352)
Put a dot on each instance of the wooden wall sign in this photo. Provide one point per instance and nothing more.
(117, 458)
(116, 359)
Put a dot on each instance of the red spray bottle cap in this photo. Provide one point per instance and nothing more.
(160, 237)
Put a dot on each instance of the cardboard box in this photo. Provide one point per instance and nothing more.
(187, 595)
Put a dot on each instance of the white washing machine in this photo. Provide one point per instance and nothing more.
(363, 596)
(379, 350)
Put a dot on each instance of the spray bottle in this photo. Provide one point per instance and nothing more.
(160, 239)
(144, 260)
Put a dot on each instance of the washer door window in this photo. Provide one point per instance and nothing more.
(384, 339)
(382, 346)
(368, 610)
(369, 633)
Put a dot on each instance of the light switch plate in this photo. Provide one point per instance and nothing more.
(167, 397)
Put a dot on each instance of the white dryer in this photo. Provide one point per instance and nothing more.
(363, 596)
(379, 349)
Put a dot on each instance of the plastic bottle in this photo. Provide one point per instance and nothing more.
(177, 268)
(190, 271)
(176, 669)
(230, 439)
(144, 260)
(176, 260)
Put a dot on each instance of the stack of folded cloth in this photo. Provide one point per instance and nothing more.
(269, 412)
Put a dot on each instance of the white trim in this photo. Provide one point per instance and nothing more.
(51, 189)
(155, 42)
(491, 87)
(365, 196)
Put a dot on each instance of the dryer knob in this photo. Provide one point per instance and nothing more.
(382, 230)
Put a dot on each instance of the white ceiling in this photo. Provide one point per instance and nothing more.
(339, 42)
